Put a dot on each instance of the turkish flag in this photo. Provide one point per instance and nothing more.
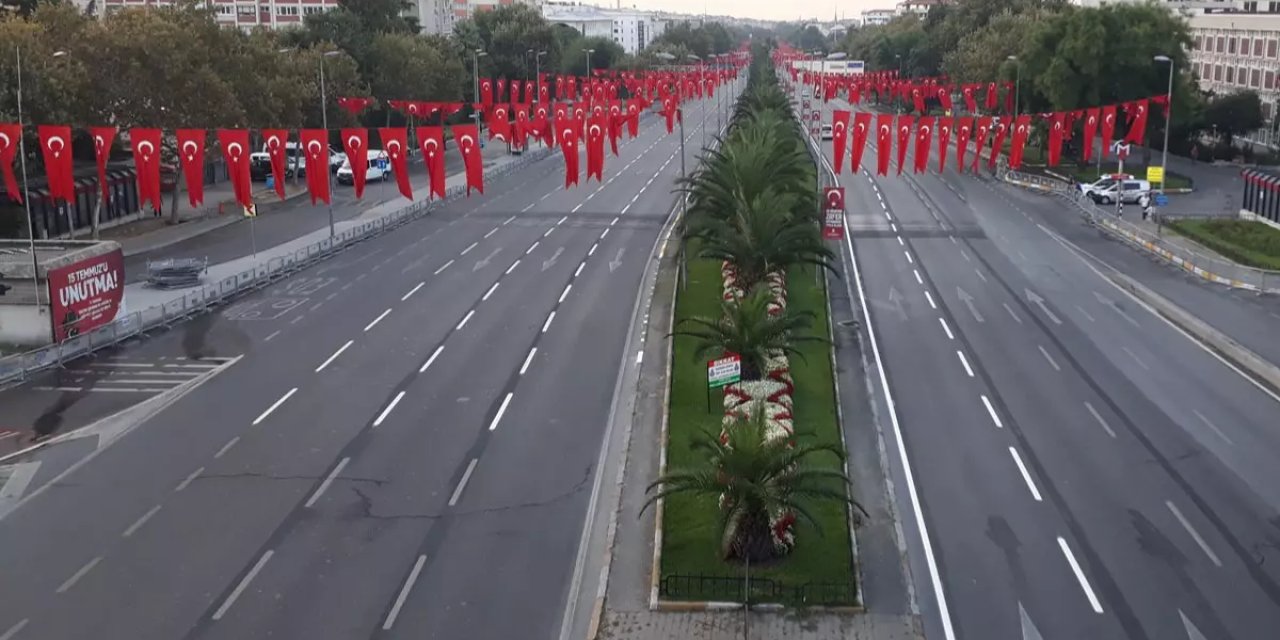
(997, 146)
(560, 92)
(944, 96)
(917, 99)
(516, 87)
(500, 96)
(944, 140)
(146, 160)
(1021, 128)
(354, 105)
(522, 125)
(834, 198)
(468, 140)
(315, 144)
(633, 117)
(275, 139)
(486, 92)
(964, 131)
(839, 135)
(1108, 127)
(540, 125)
(858, 141)
(191, 154)
(924, 139)
(102, 138)
(615, 124)
(567, 132)
(499, 124)
(571, 88)
(431, 139)
(904, 136)
(1057, 126)
(984, 128)
(884, 142)
(10, 134)
(355, 142)
(55, 144)
(1136, 112)
(993, 98)
(544, 92)
(595, 147)
(235, 151)
(395, 143)
(1090, 130)
(669, 111)
(970, 102)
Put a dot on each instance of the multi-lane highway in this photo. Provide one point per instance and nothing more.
(405, 447)
(1068, 464)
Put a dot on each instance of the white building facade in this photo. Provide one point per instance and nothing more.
(1237, 51)
(632, 30)
(245, 14)
(877, 17)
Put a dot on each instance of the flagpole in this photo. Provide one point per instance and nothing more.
(26, 189)
(324, 119)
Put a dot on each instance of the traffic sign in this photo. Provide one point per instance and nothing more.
(1161, 200)
(1120, 149)
(1155, 174)
(724, 371)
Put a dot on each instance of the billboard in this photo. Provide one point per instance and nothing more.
(86, 294)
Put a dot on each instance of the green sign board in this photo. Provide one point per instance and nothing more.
(724, 371)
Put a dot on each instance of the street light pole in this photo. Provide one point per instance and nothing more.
(537, 75)
(475, 86)
(324, 122)
(26, 190)
(1168, 119)
(589, 52)
(1017, 86)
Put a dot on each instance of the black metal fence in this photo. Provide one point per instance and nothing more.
(1261, 194)
(677, 586)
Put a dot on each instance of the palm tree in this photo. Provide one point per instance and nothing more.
(760, 238)
(755, 477)
(746, 328)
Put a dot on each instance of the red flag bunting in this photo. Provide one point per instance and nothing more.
(1021, 128)
(861, 127)
(884, 142)
(355, 142)
(964, 130)
(315, 144)
(395, 143)
(235, 151)
(55, 144)
(839, 135)
(904, 136)
(468, 140)
(191, 155)
(146, 160)
(924, 139)
(274, 140)
(944, 141)
(102, 139)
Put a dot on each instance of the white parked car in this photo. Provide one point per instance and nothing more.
(377, 167)
(1104, 190)
(827, 133)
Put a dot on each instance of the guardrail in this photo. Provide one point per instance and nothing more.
(18, 368)
(762, 590)
(1211, 268)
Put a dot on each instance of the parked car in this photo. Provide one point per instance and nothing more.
(376, 168)
(1104, 191)
(827, 133)
(296, 160)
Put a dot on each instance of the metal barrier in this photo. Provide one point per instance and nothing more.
(1211, 268)
(18, 368)
(763, 590)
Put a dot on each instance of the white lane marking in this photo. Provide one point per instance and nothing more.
(531, 248)
(893, 227)
(377, 319)
(273, 334)
(328, 480)
(227, 447)
(908, 255)
(512, 267)
(508, 221)
(918, 278)
(544, 197)
(1049, 358)
(604, 233)
(404, 591)
(1017, 459)
(412, 291)
(578, 271)
(442, 268)
(501, 410)
(465, 319)
(561, 221)
(296, 320)
(528, 360)
(991, 411)
(887, 216)
(1084, 313)
(578, 206)
(491, 232)
(1195, 535)
(386, 412)
(946, 328)
(639, 357)
(462, 484)
(1136, 358)
(1011, 312)
(1084, 582)
(1214, 427)
(189, 479)
(900, 242)
(929, 297)
(548, 322)
(137, 524)
(469, 248)
(613, 221)
(490, 291)
(75, 577)
(333, 357)
(565, 293)
(548, 232)
(13, 631)
(434, 355)
(964, 361)
(528, 207)
(965, 256)
(244, 584)
(980, 276)
(1096, 416)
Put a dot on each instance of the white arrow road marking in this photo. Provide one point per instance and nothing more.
(1029, 630)
(480, 264)
(1192, 632)
(968, 302)
(1035, 299)
(617, 260)
(547, 264)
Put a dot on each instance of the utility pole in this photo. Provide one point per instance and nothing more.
(26, 190)
(324, 121)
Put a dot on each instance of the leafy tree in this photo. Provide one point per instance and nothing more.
(745, 327)
(606, 53)
(506, 35)
(1234, 113)
(753, 477)
(980, 55)
(701, 40)
(411, 66)
(808, 39)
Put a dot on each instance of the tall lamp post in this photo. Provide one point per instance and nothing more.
(1168, 119)
(324, 122)
(898, 103)
(26, 190)
(589, 52)
(1017, 85)
(475, 85)
(692, 56)
(537, 75)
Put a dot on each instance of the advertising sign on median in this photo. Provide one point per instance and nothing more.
(1155, 174)
(724, 371)
(85, 295)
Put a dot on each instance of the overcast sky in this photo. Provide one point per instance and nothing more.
(762, 9)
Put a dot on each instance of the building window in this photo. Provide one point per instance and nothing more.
(311, 11)
(1205, 71)
(1255, 78)
(1217, 73)
(226, 10)
(1266, 111)
(282, 10)
(1270, 81)
(245, 10)
(1251, 7)
(1231, 75)
(1231, 44)
(1221, 43)
(1273, 7)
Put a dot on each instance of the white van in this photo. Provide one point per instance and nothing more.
(1104, 191)
(377, 168)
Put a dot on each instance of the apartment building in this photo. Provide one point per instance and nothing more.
(1234, 51)
(245, 14)
(434, 16)
(877, 17)
(632, 30)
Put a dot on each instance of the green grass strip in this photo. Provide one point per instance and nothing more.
(1250, 243)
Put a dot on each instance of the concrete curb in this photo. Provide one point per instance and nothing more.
(688, 606)
(224, 219)
(1264, 371)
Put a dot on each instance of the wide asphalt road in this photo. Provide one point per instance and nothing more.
(1069, 465)
(405, 449)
